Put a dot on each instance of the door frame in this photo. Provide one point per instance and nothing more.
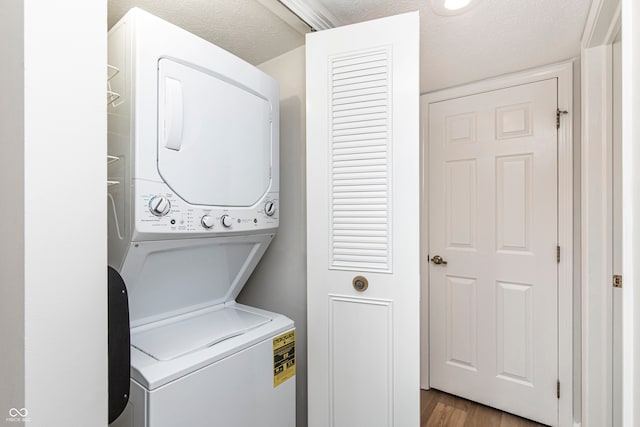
(563, 72)
(605, 19)
(598, 380)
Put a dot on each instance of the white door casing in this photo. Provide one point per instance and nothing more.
(493, 218)
(616, 226)
(363, 220)
(601, 394)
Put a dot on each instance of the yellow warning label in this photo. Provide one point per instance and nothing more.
(284, 357)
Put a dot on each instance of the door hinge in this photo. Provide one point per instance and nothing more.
(558, 254)
(558, 114)
(558, 390)
(617, 281)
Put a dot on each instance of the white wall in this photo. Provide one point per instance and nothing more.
(279, 282)
(631, 212)
(11, 207)
(53, 243)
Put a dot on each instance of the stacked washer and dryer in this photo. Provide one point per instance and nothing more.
(193, 205)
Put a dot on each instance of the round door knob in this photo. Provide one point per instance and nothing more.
(270, 208)
(207, 221)
(438, 260)
(226, 220)
(360, 283)
(159, 206)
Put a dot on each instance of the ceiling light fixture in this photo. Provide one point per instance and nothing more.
(456, 4)
(452, 7)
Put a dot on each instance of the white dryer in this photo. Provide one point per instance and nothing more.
(193, 205)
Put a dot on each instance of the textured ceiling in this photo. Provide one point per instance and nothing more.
(244, 27)
(493, 38)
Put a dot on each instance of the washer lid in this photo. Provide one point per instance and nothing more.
(214, 137)
(168, 278)
(173, 339)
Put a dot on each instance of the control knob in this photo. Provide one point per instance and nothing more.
(159, 205)
(269, 208)
(226, 220)
(207, 221)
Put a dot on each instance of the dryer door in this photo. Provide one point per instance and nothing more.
(214, 137)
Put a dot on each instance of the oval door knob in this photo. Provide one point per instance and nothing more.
(438, 260)
(360, 283)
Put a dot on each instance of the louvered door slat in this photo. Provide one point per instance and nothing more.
(360, 211)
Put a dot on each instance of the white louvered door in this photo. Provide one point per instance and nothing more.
(363, 220)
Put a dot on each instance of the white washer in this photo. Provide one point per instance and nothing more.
(193, 205)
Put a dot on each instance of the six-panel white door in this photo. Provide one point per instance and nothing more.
(493, 220)
(363, 220)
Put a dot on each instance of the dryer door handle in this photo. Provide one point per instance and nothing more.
(173, 113)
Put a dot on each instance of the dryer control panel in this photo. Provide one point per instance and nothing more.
(159, 210)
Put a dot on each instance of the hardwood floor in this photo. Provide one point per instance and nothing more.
(439, 409)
